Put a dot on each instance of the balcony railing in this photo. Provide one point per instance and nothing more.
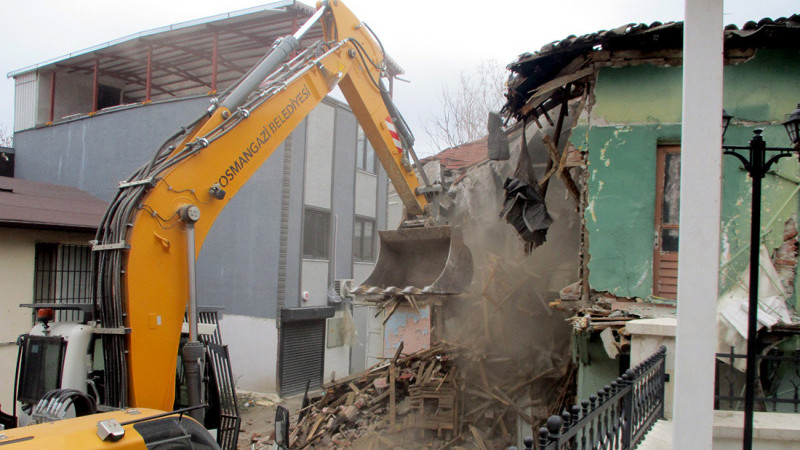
(617, 417)
(778, 375)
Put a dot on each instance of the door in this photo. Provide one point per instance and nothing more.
(665, 253)
(302, 356)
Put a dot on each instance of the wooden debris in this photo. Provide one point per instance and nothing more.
(443, 393)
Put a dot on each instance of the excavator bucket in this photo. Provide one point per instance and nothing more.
(426, 260)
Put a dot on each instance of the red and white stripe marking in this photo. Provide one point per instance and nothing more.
(395, 136)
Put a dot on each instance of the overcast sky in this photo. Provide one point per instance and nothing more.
(433, 40)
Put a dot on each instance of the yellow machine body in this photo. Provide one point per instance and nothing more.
(155, 283)
(81, 432)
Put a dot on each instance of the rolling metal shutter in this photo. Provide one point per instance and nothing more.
(302, 355)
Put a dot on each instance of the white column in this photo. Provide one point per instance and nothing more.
(698, 265)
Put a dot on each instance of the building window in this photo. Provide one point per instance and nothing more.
(108, 96)
(63, 274)
(364, 240)
(667, 222)
(316, 233)
(365, 155)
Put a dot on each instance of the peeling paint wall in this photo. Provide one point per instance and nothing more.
(638, 108)
(408, 327)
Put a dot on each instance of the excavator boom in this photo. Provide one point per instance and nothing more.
(156, 226)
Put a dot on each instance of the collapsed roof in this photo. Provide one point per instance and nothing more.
(537, 78)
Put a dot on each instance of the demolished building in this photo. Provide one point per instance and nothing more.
(625, 85)
(578, 219)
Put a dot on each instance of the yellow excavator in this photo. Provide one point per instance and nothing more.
(123, 363)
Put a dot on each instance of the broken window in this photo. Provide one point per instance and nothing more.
(364, 240)
(316, 233)
(365, 155)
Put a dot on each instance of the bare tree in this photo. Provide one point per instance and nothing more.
(6, 136)
(465, 108)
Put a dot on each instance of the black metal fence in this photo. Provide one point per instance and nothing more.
(778, 382)
(617, 417)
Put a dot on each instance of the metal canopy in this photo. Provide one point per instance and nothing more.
(180, 59)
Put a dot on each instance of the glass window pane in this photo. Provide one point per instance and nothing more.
(308, 233)
(322, 235)
(361, 142)
(368, 245)
(357, 234)
(672, 188)
(669, 240)
(370, 158)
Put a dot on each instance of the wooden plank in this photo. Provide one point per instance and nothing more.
(392, 398)
(478, 439)
(413, 302)
(668, 281)
(565, 176)
(546, 90)
(428, 372)
(391, 311)
(673, 273)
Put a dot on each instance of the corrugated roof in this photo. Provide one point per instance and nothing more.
(182, 54)
(30, 204)
(534, 74)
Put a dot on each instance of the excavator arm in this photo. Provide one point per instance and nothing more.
(156, 226)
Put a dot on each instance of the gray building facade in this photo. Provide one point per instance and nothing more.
(257, 262)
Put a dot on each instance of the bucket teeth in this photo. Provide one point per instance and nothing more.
(374, 290)
(411, 290)
(427, 260)
(359, 290)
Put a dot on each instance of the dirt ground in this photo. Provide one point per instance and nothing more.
(258, 418)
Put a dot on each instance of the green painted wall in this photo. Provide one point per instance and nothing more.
(638, 108)
(595, 368)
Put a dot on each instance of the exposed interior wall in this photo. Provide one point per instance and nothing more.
(637, 108)
(409, 328)
(595, 368)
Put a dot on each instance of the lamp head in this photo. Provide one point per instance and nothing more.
(792, 125)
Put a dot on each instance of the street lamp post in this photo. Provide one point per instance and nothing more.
(757, 165)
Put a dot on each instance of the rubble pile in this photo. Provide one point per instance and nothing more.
(446, 396)
(395, 392)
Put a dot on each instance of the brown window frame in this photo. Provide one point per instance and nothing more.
(665, 263)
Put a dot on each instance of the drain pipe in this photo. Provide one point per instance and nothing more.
(193, 351)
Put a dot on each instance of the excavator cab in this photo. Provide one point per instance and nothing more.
(421, 260)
